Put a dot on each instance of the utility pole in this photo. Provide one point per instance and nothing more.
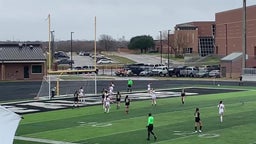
(161, 46)
(168, 48)
(71, 50)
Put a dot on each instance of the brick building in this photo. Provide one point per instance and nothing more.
(229, 38)
(22, 62)
(194, 37)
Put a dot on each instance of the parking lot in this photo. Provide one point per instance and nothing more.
(145, 65)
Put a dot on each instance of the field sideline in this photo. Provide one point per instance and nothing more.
(174, 122)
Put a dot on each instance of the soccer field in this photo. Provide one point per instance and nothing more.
(174, 122)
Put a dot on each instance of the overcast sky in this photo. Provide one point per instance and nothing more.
(26, 20)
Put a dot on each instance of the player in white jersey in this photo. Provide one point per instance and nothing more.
(81, 94)
(221, 108)
(107, 104)
(111, 89)
(149, 87)
(153, 96)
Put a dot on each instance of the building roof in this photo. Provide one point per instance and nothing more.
(194, 24)
(232, 56)
(21, 52)
(185, 25)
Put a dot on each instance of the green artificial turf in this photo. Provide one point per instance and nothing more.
(174, 122)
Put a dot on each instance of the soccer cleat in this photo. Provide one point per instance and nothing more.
(195, 131)
(200, 131)
(155, 138)
(148, 139)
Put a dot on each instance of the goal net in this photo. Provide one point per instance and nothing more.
(66, 85)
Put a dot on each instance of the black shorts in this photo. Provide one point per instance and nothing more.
(118, 99)
(76, 99)
(182, 94)
(197, 119)
(150, 127)
(127, 104)
(129, 86)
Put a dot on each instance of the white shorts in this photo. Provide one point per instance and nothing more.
(107, 105)
(221, 112)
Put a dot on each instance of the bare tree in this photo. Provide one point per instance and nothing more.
(178, 43)
(107, 42)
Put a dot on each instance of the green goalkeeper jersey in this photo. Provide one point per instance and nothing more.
(150, 120)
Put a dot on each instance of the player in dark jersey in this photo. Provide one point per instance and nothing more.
(103, 96)
(198, 122)
(76, 99)
(118, 100)
(183, 96)
(127, 104)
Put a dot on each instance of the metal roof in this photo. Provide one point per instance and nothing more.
(24, 53)
(232, 56)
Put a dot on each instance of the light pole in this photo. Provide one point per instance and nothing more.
(168, 48)
(161, 46)
(71, 51)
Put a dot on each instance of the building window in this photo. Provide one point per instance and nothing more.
(188, 50)
(37, 69)
(206, 46)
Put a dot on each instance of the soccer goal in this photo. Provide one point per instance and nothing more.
(57, 86)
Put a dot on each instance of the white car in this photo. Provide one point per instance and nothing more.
(104, 61)
(214, 73)
(160, 71)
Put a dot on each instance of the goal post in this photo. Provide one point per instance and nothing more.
(66, 85)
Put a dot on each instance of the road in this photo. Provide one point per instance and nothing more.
(138, 58)
(147, 59)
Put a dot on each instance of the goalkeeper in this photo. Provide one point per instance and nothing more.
(150, 126)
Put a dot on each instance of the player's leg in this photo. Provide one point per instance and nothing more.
(200, 126)
(196, 125)
(221, 116)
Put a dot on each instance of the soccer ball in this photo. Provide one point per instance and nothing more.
(218, 84)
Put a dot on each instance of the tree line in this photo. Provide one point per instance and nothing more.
(144, 43)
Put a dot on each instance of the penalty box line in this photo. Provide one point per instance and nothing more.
(41, 140)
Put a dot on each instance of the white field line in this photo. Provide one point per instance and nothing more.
(41, 140)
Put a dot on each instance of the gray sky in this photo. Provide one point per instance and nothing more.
(24, 20)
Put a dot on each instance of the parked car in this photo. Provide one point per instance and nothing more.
(160, 71)
(104, 61)
(176, 71)
(202, 73)
(146, 72)
(189, 72)
(135, 68)
(65, 61)
(214, 73)
(75, 68)
(157, 65)
(90, 68)
(123, 72)
(60, 55)
(82, 53)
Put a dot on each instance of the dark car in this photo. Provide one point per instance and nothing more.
(176, 71)
(135, 68)
(60, 55)
(65, 61)
(88, 67)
